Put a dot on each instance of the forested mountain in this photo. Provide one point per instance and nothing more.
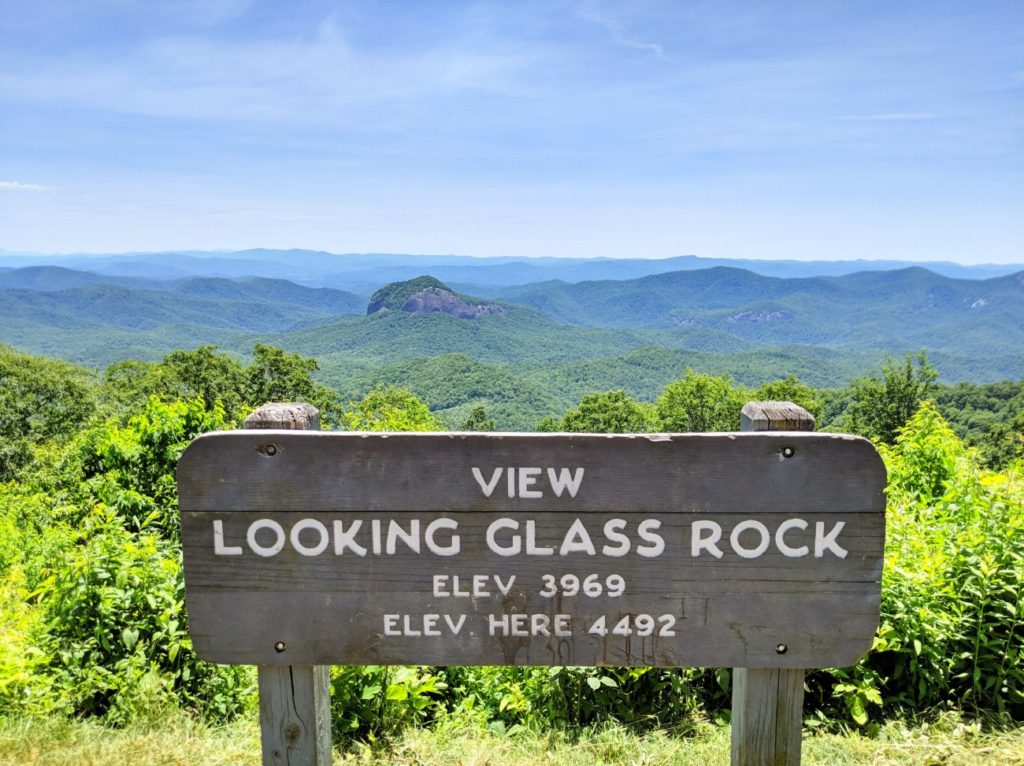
(633, 334)
(95, 319)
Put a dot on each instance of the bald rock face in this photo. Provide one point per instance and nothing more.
(438, 300)
(426, 295)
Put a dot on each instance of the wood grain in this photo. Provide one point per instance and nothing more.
(295, 700)
(295, 714)
(767, 714)
(767, 703)
(728, 611)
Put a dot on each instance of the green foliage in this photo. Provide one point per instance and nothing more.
(885, 400)
(699, 402)
(389, 408)
(214, 377)
(612, 412)
(952, 629)
(220, 381)
(452, 385)
(510, 698)
(371, 702)
(116, 636)
(92, 617)
(276, 375)
(131, 469)
(923, 462)
(989, 417)
(477, 421)
(40, 400)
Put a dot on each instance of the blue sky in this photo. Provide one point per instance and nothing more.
(557, 127)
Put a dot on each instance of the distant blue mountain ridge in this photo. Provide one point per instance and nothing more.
(363, 273)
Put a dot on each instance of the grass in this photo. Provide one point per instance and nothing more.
(178, 740)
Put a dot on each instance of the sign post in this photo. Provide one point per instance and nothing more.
(295, 700)
(750, 550)
(767, 703)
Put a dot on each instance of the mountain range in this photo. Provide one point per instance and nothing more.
(529, 347)
(365, 272)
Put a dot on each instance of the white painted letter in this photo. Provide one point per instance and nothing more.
(343, 539)
(563, 624)
(497, 623)
(219, 549)
(743, 526)
(527, 478)
(487, 486)
(455, 625)
(823, 542)
(504, 550)
(532, 549)
(657, 543)
(451, 549)
(440, 591)
(698, 542)
(410, 538)
(260, 550)
(564, 480)
(317, 549)
(612, 531)
(577, 540)
(780, 542)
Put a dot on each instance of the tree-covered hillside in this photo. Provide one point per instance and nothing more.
(824, 329)
(890, 310)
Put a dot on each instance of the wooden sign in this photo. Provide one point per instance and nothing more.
(743, 550)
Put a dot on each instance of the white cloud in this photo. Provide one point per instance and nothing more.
(318, 78)
(616, 29)
(19, 186)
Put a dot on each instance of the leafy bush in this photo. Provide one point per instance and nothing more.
(613, 412)
(116, 628)
(699, 402)
(373, 701)
(542, 697)
(389, 408)
(132, 469)
(952, 628)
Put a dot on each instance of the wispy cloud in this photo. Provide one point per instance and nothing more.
(616, 29)
(890, 117)
(320, 77)
(19, 186)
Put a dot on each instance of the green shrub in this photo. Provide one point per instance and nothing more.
(952, 627)
(116, 634)
(370, 702)
(132, 469)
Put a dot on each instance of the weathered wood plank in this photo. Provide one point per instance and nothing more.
(727, 473)
(295, 700)
(767, 703)
(329, 543)
(767, 716)
(295, 722)
(775, 416)
(285, 416)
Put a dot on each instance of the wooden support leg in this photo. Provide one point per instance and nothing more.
(295, 715)
(767, 714)
(295, 700)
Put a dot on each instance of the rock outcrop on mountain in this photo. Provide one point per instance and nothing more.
(426, 295)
